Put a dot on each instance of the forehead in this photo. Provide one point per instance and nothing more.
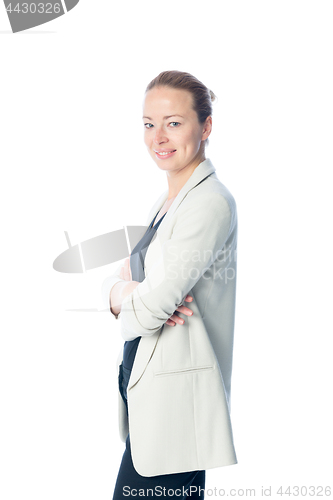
(167, 101)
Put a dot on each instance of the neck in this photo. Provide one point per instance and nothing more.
(177, 179)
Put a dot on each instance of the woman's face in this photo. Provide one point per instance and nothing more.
(172, 132)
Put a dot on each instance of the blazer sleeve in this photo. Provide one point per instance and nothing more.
(107, 285)
(200, 232)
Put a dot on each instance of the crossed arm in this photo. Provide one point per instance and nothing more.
(123, 288)
(198, 238)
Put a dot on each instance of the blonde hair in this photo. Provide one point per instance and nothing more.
(202, 96)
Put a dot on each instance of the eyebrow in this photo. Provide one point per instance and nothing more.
(164, 118)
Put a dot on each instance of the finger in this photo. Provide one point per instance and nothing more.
(128, 277)
(129, 269)
(170, 322)
(188, 298)
(177, 319)
(126, 270)
(185, 310)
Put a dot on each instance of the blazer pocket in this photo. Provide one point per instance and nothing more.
(194, 369)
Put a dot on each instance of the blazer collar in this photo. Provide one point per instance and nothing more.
(203, 170)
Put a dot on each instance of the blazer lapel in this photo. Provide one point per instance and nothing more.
(147, 344)
(203, 170)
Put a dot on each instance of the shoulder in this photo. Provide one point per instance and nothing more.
(211, 195)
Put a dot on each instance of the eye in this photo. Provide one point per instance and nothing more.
(148, 125)
(174, 124)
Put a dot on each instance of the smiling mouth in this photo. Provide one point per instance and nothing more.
(164, 153)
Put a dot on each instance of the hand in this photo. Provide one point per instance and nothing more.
(125, 271)
(121, 289)
(183, 309)
(118, 292)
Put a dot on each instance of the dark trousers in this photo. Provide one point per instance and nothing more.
(129, 483)
(180, 486)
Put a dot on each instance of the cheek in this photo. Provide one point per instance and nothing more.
(146, 139)
(192, 140)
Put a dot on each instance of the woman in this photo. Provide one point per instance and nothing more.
(175, 368)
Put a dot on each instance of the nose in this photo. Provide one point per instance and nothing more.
(160, 135)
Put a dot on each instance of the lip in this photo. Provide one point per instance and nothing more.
(170, 152)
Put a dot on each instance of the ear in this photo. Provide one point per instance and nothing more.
(207, 128)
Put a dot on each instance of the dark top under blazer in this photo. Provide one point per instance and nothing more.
(137, 259)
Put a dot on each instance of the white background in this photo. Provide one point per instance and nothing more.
(73, 159)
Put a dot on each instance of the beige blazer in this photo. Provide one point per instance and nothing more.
(179, 389)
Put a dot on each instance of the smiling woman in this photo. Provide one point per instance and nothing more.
(177, 123)
(175, 366)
